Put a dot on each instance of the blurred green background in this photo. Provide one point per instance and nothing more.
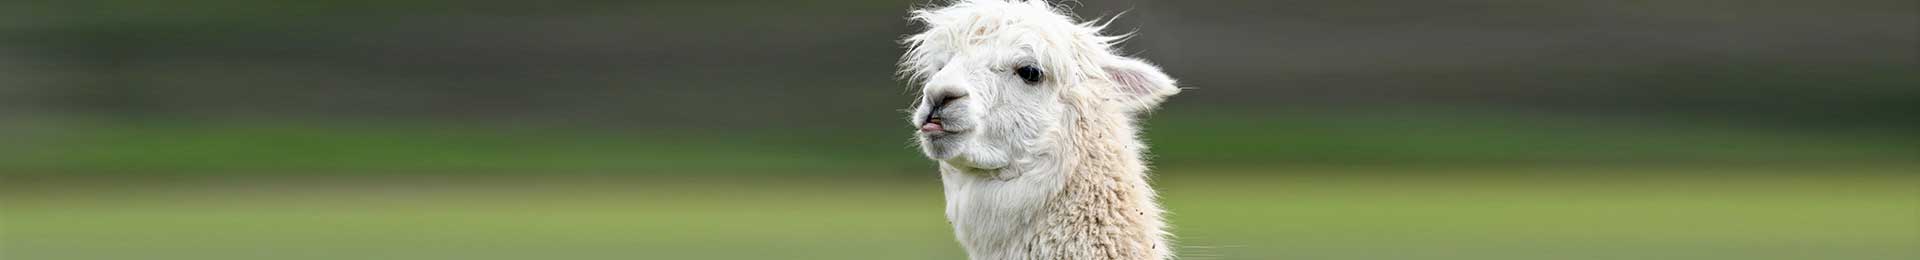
(723, 129)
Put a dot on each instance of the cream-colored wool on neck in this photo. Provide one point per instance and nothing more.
(1030, 115)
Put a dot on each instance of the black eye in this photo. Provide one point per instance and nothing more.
(1029, 73)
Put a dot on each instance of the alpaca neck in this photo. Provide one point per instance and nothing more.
(1106, 196)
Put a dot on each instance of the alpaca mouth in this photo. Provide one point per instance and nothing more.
(935, 127)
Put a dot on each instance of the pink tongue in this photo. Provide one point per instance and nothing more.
(931, 127)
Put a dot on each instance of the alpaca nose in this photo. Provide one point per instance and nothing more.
(938, 100)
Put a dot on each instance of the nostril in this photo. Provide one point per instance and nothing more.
(950, 98)
(943, 99)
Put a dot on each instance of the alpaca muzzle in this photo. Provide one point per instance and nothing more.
(936, 106)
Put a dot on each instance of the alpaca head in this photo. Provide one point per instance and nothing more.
(995, 76)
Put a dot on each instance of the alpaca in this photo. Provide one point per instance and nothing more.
(1030, 117)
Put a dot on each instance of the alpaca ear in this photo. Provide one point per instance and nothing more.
(1140, 86)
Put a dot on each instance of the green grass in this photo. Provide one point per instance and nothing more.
(1427, 137)
(148, 149)
(1189, 139)
(1322, 213)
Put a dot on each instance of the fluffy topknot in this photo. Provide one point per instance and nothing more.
(1059, 44)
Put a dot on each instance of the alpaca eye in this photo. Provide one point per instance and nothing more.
(1029, 73)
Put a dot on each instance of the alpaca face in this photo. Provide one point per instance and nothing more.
(997, 77)
(981, 109)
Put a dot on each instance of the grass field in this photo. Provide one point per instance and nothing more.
(1376, 186)
(1307, 213)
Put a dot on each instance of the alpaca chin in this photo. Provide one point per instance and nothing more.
(963, 152)
(941, 148)
(938, 153)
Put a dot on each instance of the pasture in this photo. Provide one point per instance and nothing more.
(1328, 213)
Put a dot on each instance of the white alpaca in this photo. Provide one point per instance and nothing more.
(1030, 116)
